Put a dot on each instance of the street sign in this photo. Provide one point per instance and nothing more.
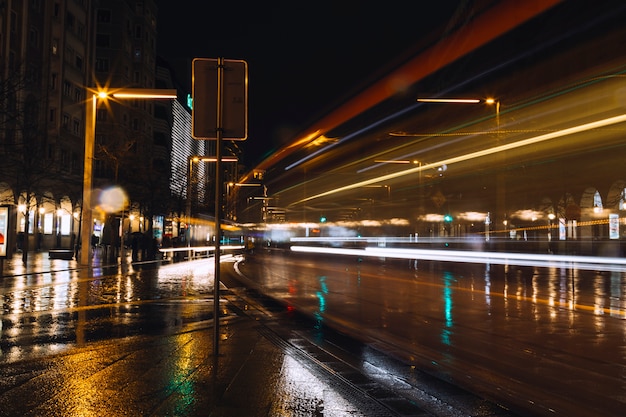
(206, 99)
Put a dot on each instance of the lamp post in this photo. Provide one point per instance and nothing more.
(500, 183)
(490, 101)
(90, 136)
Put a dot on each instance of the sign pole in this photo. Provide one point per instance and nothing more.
(218, 205)
(227, 80)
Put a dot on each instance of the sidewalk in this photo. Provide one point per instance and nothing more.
(258, 371)
(38, 262)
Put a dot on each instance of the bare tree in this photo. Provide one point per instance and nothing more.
(23, 143)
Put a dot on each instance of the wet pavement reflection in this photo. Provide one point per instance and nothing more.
(543, 340)
(136, 339)
(74, 306)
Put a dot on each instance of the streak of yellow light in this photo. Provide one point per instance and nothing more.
(521, 143)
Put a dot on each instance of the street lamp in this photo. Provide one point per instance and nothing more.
(90, 135)
(490, 101)
(500, 196)
(494, 102)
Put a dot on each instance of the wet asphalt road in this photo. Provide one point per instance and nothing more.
(542, 340)
(136, 339)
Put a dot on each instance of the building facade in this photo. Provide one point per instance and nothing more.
(54, 55)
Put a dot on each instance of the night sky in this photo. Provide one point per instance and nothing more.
(303, 58)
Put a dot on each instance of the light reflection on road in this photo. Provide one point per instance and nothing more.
(44, 312)
(103, 326)
(528, 334)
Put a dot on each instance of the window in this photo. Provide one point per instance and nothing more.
(78, 94)
(99, 168)
(67, 88)
(80, 31)
(102, 65)
(52, 115)
(76, 128)
(597, 202)
(53, 81)
(104, 16)
(79, 62)
(35, 5)
(66, 121)
(74, 165)
(70, 21)
(103, 40)
(64, 160)
(13, 22)
(32, 75)
(55, 46)
(10, 136)
(65, 226)
(101, 115)
(33, 37)
(48, 223)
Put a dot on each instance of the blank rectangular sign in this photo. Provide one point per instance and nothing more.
(205, 100)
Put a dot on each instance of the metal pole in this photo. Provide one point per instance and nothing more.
(218, 204)
(87, 215)
(188, 209)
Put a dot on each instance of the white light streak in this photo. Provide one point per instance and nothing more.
(502, 258)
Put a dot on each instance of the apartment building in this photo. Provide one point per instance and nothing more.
(54, 55)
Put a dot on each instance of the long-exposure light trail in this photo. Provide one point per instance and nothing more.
(485, 152)
(502, 258)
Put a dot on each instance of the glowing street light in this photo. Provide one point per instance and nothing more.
(90, 135)
(490, 101)
(449, 100)
(500, 203)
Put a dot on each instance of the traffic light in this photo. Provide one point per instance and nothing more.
(447, 218)
(322, 219)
